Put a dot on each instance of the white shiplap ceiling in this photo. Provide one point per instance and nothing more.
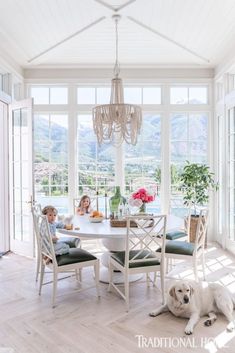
(152, 33)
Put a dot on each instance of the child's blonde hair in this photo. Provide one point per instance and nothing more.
(49, 208)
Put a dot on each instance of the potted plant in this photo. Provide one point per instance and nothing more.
(196, 181)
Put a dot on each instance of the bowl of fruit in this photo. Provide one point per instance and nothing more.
(96, 217)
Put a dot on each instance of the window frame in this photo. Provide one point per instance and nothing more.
(164, 109)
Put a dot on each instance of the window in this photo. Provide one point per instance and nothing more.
(103, 95)
(86, 95)
(198, 95)
(132, 95)
(143, 161)
(49, 95)
(94, 168)
(179, 95)
(1, 82)
(231, 166)
(51, 160)
(95, 164)
(220, 168)
(152, 95)
(58, 95)
(188, 142)
(189, 95)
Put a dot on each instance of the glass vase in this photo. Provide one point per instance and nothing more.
(114, 202)
(142, 208)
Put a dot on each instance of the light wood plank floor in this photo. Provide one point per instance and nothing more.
(81, 323)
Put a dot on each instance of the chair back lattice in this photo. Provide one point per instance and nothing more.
(47, 247)
(36, 212)
(187, 222)
(201, 229)
(146, 238)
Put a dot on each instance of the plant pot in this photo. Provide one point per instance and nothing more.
(193, 229)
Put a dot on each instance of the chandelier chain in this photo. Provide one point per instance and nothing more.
(117, 66)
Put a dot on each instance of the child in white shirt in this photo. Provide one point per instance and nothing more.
(51, 213)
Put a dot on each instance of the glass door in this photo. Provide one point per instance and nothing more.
(21, 180)
(4, 177)
(231, 179)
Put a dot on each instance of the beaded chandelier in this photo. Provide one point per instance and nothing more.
(117, 122)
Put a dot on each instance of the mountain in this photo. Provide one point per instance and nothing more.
(55, 146)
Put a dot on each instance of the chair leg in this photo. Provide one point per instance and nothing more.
(41, 276)
(38, 266)
(126, 279)
(147, 279)
(110, 277)
(80, 274)
(154, 279)
(162, 273)
(97, 275)
(54, 287)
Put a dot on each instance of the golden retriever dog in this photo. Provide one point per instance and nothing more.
(193, 300)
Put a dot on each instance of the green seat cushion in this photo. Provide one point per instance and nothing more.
(75, 255)
(175, 235)
(120, 258)
(72, 242)
(179, 247)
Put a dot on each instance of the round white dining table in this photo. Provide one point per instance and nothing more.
(113, 238)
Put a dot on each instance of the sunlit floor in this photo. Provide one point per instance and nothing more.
(81, 323)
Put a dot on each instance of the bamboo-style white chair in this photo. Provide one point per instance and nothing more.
(181, 233)
(73, 242)
(180, 250)
(140, 255)
(75, 260)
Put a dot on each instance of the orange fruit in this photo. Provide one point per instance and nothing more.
(95, 214)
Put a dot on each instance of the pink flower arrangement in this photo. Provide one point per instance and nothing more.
(143, 195)
(140, 197)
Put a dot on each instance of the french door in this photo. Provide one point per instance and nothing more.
(21, 177)
(230, 243)
(4, 177)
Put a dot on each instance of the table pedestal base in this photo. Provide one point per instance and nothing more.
(118, 277)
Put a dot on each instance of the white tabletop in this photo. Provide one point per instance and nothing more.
(104, 230)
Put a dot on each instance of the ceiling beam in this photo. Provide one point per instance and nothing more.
(168, 39)
(67, 38)
(113, 7)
